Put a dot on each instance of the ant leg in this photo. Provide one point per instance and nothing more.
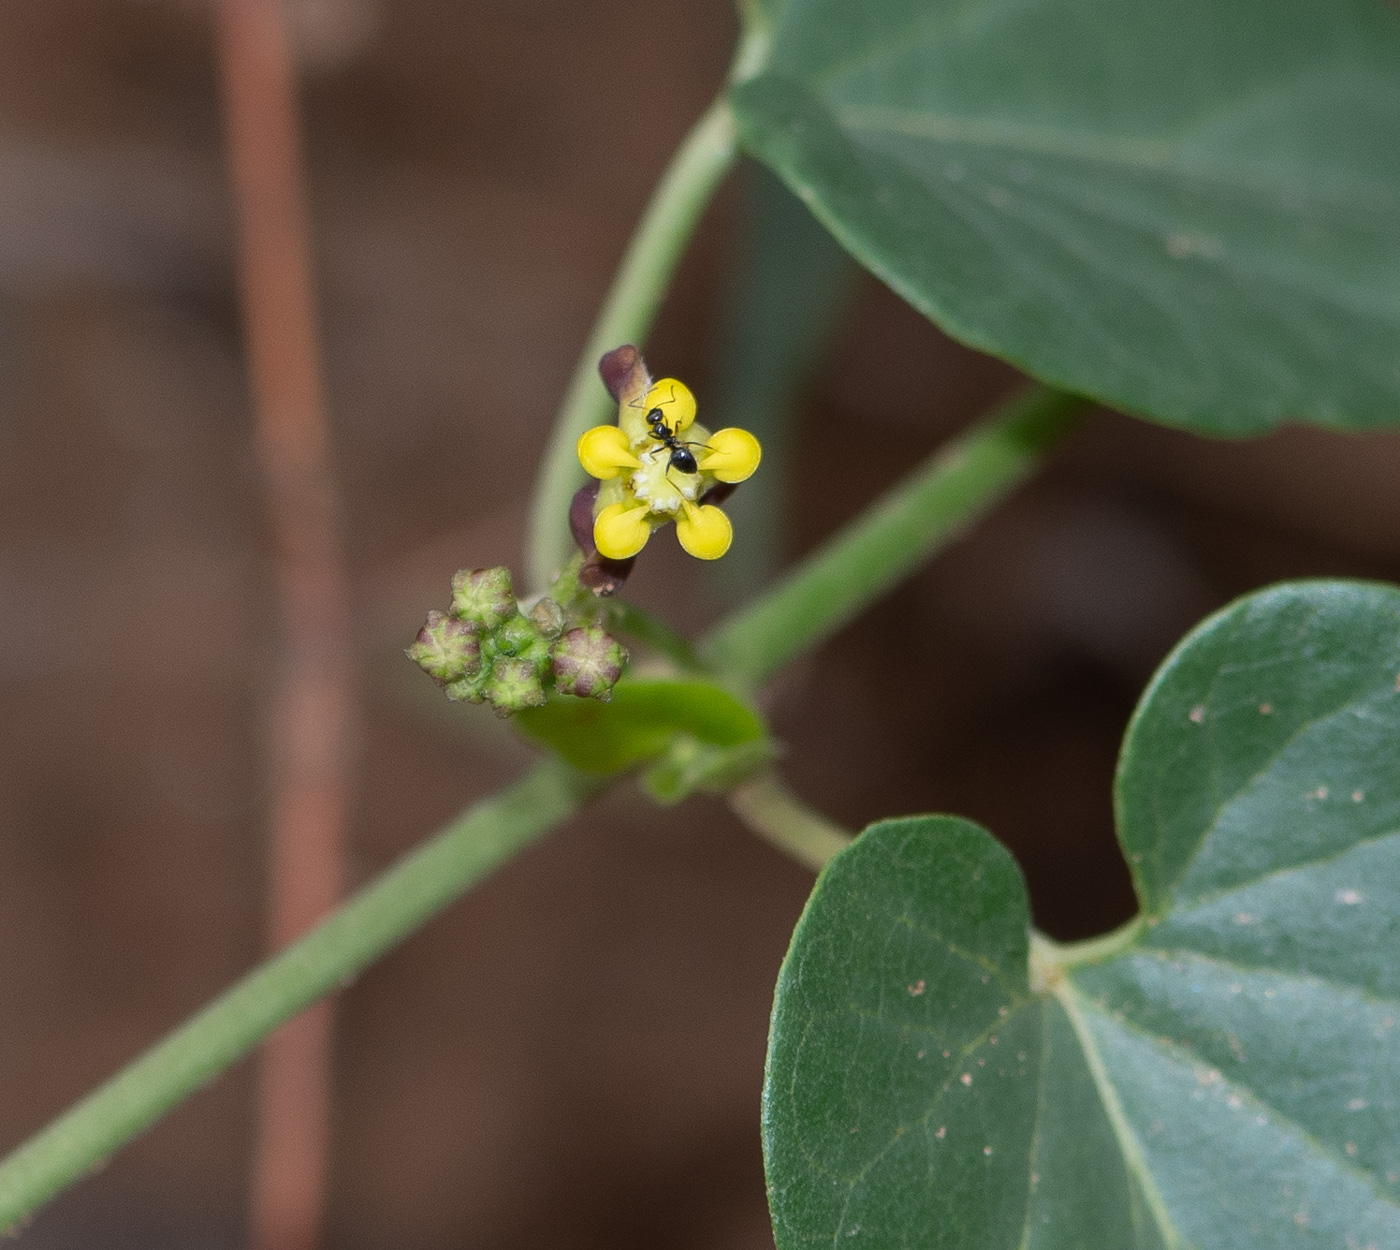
(669, 467)
(640, 400)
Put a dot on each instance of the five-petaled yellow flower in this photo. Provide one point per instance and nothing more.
(656, 465)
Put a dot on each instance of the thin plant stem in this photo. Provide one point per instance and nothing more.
(327, 958)
(1064, 955)
(631, 305)
(779, 817)
(890, 539)
(315, 705)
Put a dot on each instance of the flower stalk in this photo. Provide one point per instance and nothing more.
(632, 302)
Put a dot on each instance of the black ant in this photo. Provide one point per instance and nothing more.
(682, 457)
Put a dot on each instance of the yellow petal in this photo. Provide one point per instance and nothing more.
(604, 452)
(621, 530)
(705, 531)
(733, 455)
(676, 402)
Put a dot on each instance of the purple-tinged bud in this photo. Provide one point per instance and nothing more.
(446, 649)
(587, 663)
(597, 573)
(624, 373)
(514, 684)
(483, 597)
(548, 617)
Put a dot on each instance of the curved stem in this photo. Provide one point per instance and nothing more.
(631, 305)
(778, 816)
(1065, 955)
(377, 918)
(892, 538)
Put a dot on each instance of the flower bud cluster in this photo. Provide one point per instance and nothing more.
(484, 649)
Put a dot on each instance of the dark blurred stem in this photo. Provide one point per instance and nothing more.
(314, 712)
(891, 539)
(779, 817)
(631, 305)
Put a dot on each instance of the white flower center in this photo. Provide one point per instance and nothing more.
(657, 484)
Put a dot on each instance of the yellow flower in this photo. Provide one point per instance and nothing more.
(657, 465)
(620, 531)
(603, 452)
(732, 456)
(705, 532)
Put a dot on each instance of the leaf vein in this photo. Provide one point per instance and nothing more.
(1128, 1143)
(1168, 953)
(1259, 1101)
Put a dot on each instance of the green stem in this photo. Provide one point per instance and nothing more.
(778, 816)
(364, 928)
(1065, 955)
(892, 538)
(631, 305)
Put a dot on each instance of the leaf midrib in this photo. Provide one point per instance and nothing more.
(1128, 1145)
(1168, 953)
(1166, 900)
(1210, 897)
(1156, 155)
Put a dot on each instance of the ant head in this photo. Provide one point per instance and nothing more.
(671, 404)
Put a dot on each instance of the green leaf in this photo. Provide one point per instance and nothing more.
(1185, 209)
(1223, 1074)
(641, 722)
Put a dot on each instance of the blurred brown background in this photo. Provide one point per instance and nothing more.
(572, 1056)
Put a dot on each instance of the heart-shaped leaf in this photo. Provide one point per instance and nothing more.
(1224, 1074)
(1185, 208)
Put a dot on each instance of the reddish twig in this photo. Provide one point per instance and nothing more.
(314, 710)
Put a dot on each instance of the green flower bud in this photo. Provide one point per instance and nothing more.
(519, 639)
(446, 649)
(468, 689)
(548, 617)
(587, 663)
(515, 637)
(514, 684)
(483, 597)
